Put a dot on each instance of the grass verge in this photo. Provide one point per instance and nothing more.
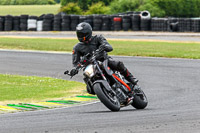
(29, 9)
(125, 47)
(15, 89)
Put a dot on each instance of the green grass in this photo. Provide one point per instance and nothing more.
(29, 9)
(30, 89)
(128, 48)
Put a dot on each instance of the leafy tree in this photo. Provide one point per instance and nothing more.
(153, 9)
(179, 8)
(71, 8)
(84, 4)
(98, 8)
(118, 6)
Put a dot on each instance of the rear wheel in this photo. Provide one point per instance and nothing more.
(140, 100)
(107, 98)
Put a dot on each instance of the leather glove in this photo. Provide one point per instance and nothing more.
(102, 47)
(73, 72)
(99, 54)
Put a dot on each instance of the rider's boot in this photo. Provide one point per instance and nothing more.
(129, 77)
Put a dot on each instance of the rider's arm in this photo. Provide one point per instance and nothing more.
(75, 56)
(106, 45)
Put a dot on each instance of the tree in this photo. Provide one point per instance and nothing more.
(71, 8)
(179, 8)
(98, 8)
(119, 6)
(84, 4)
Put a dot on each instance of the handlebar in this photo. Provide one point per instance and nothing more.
(87, 58)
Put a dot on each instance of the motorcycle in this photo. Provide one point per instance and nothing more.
(110, 86)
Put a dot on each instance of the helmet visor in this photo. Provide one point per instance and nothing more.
(81, 34)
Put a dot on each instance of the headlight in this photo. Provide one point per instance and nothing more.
(89, 71)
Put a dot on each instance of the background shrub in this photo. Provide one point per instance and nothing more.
(71, 8)
(119, 6)
(84, 4)
(98, 8)
(27, 2)
(179, 8)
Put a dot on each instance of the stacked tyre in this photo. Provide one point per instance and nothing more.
(117, 23)
(65, 26)
(126, 22)
(40, 22)
(82, 19)
(74, 22)
(2, 23)
(16, 23)
(112, 21)
(57, 22)
(135, 22)
(32, 23)
(8, 25)
(97, 22)
(23, 22)
(106, 24)
(159, 24)
(184, 24)
(195, 25)
(173, 24)
(89, 19)
(48, 22)
(145, 24)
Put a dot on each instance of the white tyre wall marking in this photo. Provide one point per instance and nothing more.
(39, 25)
(32, 24)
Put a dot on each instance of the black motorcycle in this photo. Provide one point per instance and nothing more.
(110, 86)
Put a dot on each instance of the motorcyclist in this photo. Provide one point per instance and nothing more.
(89, 43)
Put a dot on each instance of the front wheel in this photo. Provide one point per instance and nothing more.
(107, 98)
(140, 100)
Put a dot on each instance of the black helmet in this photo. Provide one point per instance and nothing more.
(83, 32)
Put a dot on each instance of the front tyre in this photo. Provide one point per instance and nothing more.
(108, 99)
(140, 100)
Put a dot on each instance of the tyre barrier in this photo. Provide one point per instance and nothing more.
(106, 23)
(66, 21)
(195, 24)
(57, 22)
(48, 22)
(145, 24)
(145, 15)
(32, 23)
(16, 23)
(97, 22)
(126, 22)
(24, 22)
(135, 21)
(74, 22)
(117, 23)
(89, 19)
(8, 23)
(159, 24)
(2, 19)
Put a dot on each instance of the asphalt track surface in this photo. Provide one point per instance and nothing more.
(171, 85)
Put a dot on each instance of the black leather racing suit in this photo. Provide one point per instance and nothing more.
(82, 49)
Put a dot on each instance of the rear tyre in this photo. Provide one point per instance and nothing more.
(108, 99)
(140, 100)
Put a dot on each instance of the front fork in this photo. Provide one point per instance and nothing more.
(89, 87)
